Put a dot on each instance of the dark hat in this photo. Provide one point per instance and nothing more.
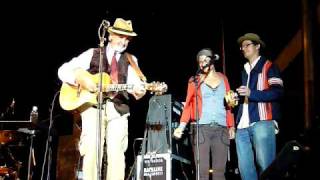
(204, 52)
(252, 37)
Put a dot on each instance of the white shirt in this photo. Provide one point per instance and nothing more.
(244, 120)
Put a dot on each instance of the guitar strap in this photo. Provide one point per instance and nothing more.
(135, 67)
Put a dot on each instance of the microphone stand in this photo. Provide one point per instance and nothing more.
(31, 157)
(100, 95)
(196, 82)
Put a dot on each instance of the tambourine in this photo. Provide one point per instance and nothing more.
(231, 98)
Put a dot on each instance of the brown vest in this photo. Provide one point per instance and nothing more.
(121, 100)
(122, 65)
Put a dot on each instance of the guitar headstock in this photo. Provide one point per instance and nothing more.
(156, 87)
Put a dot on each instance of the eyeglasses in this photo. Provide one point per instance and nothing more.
(245, 46)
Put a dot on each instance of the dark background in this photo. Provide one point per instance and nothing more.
(37, 38)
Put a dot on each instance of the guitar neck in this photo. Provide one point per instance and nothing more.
(119, 87)
(123, 87)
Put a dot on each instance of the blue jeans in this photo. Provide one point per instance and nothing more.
(257, 142)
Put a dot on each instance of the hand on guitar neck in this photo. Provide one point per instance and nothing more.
(138, 91)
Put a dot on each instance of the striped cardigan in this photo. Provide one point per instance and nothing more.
(266, 88)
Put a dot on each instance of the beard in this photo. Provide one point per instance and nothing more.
(120, 48)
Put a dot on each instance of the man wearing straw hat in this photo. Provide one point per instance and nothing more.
(123, 69)
(260, 91)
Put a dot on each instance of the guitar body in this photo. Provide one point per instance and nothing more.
(75, 98)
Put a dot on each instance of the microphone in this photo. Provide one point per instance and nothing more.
(102, 29)
(215, 57)
(105, 24)
(200, 69)
(208, 64)
(12, 106)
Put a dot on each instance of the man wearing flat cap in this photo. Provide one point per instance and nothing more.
(122, 68)
(216, 122)
(260, 91)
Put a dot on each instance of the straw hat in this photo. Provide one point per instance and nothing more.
(252, 37)
(123, 27)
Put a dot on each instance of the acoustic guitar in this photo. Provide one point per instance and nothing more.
(76, 98)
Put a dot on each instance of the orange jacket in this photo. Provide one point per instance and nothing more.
(189, 110)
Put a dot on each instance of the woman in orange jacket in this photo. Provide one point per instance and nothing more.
(216, 123)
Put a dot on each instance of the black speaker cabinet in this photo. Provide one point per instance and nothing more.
(285, 163)
(163, 157)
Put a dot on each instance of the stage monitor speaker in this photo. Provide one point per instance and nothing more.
(285, 163)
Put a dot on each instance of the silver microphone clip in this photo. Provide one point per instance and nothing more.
(105, 24)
